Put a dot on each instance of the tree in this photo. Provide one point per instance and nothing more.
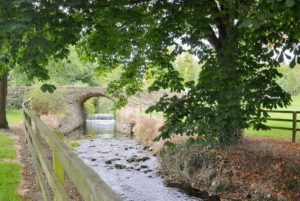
(32, 33)
(72, 71)
(3, 92)
(187, 66)
(8, 47)
(68, 71)
(240, 44)
(290, 81)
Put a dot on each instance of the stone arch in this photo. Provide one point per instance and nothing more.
(74, 100)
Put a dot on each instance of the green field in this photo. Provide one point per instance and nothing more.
(14, 116)
(9, 171)
(295, 106)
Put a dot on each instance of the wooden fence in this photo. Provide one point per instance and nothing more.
(50, 177)
(293, 120)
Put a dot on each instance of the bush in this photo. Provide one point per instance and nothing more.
(182, 161)
(104, 105)
(14, 104)
(90, 107)
(146, 129)
(45, 103)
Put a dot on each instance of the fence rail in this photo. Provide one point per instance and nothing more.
(294, 121)
(51, 173)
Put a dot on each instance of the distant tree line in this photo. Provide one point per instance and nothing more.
(290, 81)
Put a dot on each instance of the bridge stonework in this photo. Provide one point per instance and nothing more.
(73, 101)
(74, 98)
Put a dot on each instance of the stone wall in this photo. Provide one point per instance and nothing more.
(15, 96)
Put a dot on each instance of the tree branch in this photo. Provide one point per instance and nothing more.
(213, 39)
(245, 14)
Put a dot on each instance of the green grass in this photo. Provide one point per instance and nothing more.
(7, 149)
(9, 179)
(9, 172)
(14, 116)
(295, 106)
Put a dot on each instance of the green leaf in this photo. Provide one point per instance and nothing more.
(170, 145)
(246, 23)
(48, 88)
(190, 142)
(287, 56)
(293, 62)
(280, 58)
(289, 3)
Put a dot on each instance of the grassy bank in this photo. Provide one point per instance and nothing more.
(284, 134)
(14, 116)
(9, 171)
(9, 180)
(7, 150)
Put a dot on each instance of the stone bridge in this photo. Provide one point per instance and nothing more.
(74, 98)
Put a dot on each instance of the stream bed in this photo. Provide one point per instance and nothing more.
(129, 169)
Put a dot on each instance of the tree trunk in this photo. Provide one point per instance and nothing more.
(3, 94)
(228, 136)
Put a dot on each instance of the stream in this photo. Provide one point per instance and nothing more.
(129, 169)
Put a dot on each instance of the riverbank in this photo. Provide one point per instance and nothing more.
(258, 169)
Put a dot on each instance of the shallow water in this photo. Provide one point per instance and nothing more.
(123, 164)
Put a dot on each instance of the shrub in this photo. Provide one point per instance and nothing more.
(146, 129)
(182, 161)
(14, 104)
(104, 105)
(89, 106)
(45, 103)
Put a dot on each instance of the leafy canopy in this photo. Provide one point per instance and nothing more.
(240, 44)
(34, 32)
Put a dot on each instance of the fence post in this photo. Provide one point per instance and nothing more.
(37, 134)
(58, 170)
(294, 126)
(26, 117)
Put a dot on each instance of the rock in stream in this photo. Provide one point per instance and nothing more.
(130, 170)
